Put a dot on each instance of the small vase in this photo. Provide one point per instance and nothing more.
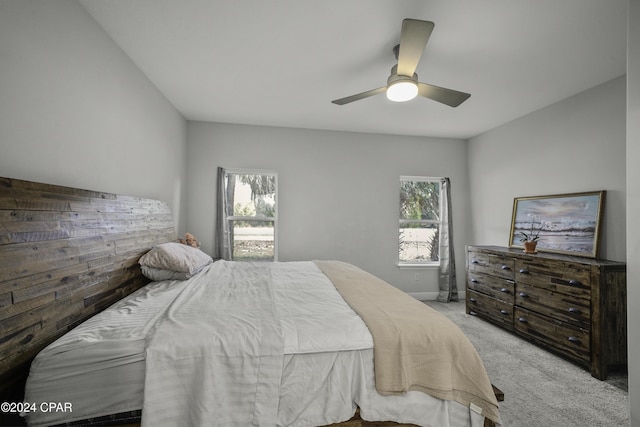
(530, 247)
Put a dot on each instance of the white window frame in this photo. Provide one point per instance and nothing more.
(421, 264)
(232, 218)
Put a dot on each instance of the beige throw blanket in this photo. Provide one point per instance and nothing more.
(415, 347)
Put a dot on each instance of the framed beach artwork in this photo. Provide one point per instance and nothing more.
(562, 223)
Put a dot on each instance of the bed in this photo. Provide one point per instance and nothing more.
(298, 344)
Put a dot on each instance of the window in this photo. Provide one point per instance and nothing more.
(419, 220)
(250, 207)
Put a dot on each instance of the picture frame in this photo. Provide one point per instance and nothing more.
(562, 223)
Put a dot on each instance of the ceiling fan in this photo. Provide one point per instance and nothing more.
(402, 84)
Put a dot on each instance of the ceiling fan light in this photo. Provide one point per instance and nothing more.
(402, 90)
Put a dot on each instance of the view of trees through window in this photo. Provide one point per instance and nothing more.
(251, 212)
(419, 220)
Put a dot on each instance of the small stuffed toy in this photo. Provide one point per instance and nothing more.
(190, 240)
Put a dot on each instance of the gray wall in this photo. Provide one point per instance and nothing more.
(75, 111)
(338, 191)
(633, 208)
(578, 144)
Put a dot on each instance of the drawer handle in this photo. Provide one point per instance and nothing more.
(506, 267)
(474, 280)
(504, 312)
(522, 320)
(473, 313)
(524, 295)
(574, 310)
(574, 283)
(474, 261)
(504, 290)
(524, 271)
(574, 340)
(472, 300)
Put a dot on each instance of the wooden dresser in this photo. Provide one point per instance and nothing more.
(573, 306)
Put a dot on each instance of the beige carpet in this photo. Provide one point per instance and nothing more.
(541, 389)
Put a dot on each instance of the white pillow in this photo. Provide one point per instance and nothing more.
(158, 275)
(176, 257)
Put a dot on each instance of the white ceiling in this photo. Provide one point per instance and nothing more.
(281, 62)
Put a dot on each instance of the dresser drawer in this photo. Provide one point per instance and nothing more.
(494, 265)
(564, 277)
(565, 308)
(491, 309)
(495, 287)
(571, 341)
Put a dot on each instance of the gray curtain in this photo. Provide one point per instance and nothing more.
(448, 286)
(223, 233)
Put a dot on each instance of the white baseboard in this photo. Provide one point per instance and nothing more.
(432, 296)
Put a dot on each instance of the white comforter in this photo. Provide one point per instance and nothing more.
(272, 345)
(224, 339)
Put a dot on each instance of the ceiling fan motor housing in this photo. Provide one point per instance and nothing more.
(395, 77)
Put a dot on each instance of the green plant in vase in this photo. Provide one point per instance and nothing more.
(530, 239)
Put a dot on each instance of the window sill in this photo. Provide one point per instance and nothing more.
(407, 265)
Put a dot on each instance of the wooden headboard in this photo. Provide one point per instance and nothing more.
(65, 255)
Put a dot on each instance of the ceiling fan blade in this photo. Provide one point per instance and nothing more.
(359, 96)
(413, 39)
(451, 97)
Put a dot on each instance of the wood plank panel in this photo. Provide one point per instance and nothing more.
(65, 255)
